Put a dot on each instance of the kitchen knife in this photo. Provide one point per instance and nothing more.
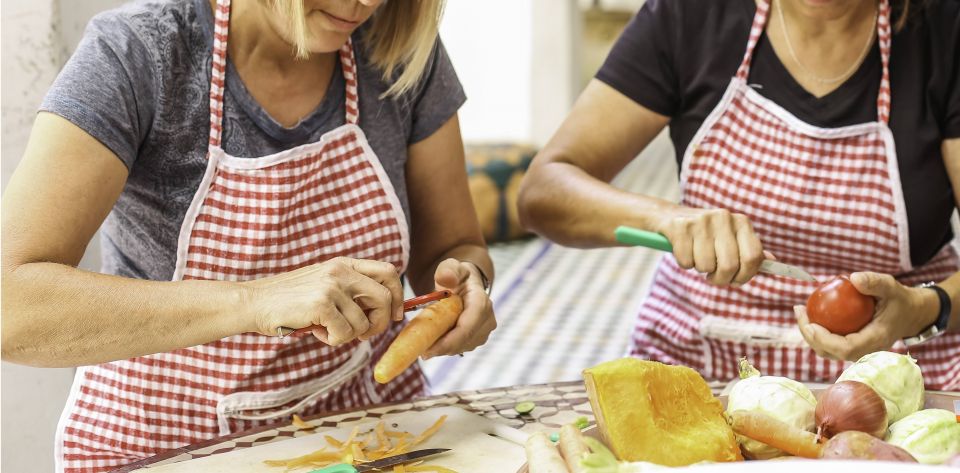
(637, 237)
(383, 463)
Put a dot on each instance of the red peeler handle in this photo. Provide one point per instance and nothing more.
(408, 305)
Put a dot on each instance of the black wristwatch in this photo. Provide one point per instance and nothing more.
(943, 317)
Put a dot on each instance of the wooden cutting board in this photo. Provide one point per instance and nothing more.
(479, 445)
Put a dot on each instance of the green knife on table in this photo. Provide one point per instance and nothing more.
(656, 241)
(382, 464)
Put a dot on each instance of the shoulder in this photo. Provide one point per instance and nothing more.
(152, 25)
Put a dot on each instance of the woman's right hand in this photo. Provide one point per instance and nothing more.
(715, 242)
(350, 298)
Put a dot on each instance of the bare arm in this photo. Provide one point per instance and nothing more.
(951, 159)
(566, 195)
(57, 315)
(448, 247)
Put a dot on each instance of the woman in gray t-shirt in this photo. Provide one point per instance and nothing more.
(288, 187)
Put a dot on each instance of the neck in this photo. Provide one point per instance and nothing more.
(810, 23)
(255, 44)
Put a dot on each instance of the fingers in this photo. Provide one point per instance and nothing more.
(750, 249)
(851, 347)
(386, 274)
(718, 243)
(450, 274)
(728, 260)
(374, 300)
(874, 284)
(338, 329)
(472, 329)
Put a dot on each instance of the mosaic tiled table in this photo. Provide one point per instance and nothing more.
(556, 404)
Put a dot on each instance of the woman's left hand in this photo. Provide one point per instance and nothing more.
(477, 319)
(900, 312)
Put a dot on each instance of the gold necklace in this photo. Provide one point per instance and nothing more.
(847, 73)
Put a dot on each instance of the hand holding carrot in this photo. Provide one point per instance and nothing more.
(477, 320)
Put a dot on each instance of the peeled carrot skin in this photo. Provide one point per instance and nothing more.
(421, 333)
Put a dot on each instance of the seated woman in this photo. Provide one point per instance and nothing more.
(824, 132)
(289, 186)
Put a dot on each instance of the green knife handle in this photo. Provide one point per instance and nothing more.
(637, 237)
(340, 468)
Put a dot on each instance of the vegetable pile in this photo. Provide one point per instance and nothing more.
(873, 412)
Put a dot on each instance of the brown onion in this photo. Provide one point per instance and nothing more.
(851, 405)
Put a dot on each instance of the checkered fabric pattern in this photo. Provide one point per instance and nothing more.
(251, 218)
(828, 200)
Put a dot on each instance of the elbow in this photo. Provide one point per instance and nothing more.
(530, 203)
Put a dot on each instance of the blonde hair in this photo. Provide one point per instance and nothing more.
(400, 37)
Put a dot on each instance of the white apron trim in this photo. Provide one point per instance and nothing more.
(65, 417)
(186, 228)
(218, 155)
(893, 167)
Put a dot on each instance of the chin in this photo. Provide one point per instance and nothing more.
(326, 41)
(825, 9)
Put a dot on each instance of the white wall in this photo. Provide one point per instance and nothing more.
(517, 61)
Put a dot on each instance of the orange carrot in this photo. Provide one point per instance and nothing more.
(763, 428)
(422, 332)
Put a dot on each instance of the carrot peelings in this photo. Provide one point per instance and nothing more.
(422, 332)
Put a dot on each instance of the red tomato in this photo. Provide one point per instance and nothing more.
(839, 307)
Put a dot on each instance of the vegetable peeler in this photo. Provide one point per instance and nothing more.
(382, 464)
(408, 305)
(656, 241)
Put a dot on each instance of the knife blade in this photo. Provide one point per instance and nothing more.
(656, 241)
(385, 462)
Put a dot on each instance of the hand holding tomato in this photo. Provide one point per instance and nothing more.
(899, 312)
(839, 307)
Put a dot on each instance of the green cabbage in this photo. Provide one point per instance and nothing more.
(781, 398)
(930, 435)
(895, 377)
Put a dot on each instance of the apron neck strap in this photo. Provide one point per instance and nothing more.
(218, 74)
(883, 38)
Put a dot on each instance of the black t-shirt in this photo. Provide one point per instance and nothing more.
(676, 58)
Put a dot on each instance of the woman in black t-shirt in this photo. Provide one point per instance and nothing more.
(825, 132)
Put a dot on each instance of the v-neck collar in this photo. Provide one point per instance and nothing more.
(325, 112)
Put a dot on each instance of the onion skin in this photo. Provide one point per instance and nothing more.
(853, 445)
(851, 405)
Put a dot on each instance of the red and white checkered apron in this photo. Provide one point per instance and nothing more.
(251, 218)
(828, 200)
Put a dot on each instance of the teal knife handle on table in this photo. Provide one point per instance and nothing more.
(341, 468)
(637, 237)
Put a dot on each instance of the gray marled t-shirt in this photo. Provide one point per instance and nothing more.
(139, 83)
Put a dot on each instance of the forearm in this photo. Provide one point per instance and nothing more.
(565, 204)
(56, 315)
(476, 253)
(952, 286)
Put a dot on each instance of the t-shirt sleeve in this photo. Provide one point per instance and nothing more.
(108, 87)
(640, 64)
(438, 96)
(952, 125)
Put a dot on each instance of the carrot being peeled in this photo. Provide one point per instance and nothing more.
(764, 428)
(422, 332)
